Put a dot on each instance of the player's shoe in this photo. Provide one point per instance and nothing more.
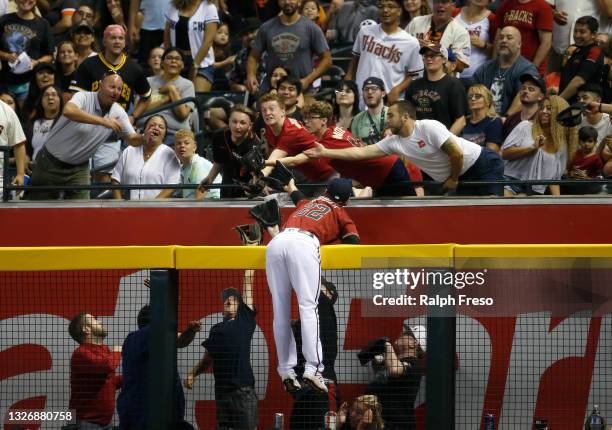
(316, 382)
(290, 382)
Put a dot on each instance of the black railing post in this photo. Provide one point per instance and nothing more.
(440, 376)
(4, 150)
(162, 363)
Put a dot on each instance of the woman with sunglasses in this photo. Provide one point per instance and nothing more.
(346, 103)
(483, 125)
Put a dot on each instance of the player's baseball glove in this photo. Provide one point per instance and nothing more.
(279, 177)
(253, 161)
(249, 233)
(266, 214)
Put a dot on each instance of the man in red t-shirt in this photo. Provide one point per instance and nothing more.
(534, 19)
(92, 373)
(287, 137)
(386, 175)
(293, 262)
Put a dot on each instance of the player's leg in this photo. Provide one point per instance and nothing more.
(305, 274)
(280, 290)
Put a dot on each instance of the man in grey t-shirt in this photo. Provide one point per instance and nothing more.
(291, 41)
(88, 120)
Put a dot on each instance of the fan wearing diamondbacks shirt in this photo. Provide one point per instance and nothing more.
(386, 51)
(286, 136)
(293, 262)
(431, 147)
(386, 175)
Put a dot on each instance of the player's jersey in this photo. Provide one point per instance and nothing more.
(90, 73)
(324, 218)
(371, 173)
(295, 139)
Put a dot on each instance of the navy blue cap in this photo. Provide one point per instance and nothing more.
(535, 79)
(340, 189)
(228, 292)
(373, 80)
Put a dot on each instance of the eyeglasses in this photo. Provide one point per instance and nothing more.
(371, 89)
(475, 96)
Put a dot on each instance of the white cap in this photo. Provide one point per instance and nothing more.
(418, 331)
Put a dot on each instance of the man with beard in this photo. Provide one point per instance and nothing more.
(387, 175)
(89, 76)
(502, 75)
(370, 124)
(445, 157)
(92, 373)
(290, 41)
(386, 51)
(533, 91)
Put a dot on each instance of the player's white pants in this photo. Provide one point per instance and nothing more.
(293, 261)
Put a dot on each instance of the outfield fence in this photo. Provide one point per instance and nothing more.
(520, 332)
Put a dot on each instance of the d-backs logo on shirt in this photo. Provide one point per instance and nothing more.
(391, 54)
(421, 143)
(518, 15)
(284, 46)
(424, 100)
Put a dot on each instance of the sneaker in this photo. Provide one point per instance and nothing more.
(290, 382)
(315, 381)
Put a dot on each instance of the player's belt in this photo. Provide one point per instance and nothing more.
(299, 230)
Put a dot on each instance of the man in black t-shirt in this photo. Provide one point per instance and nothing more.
(228, 350)
(309, 406)
(437, 95)
(397, 377)
(228, 145)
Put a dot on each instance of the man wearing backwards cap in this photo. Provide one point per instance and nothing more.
(89, 76)
(293, 262)
(228, 350)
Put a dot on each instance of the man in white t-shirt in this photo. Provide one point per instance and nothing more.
(11, 134)
(431, 147)
(386, 51)
(591, 93)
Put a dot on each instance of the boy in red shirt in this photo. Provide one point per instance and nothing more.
(586, 164)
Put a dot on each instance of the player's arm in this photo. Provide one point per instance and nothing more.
(347, 154)
(277, 154)
(295, 194)
(455, 155)
(289, 161)
(351, 239)
(197, 370)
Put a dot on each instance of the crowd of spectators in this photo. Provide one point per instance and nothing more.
(493, 73)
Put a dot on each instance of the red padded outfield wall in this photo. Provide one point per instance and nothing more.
(515, 221)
